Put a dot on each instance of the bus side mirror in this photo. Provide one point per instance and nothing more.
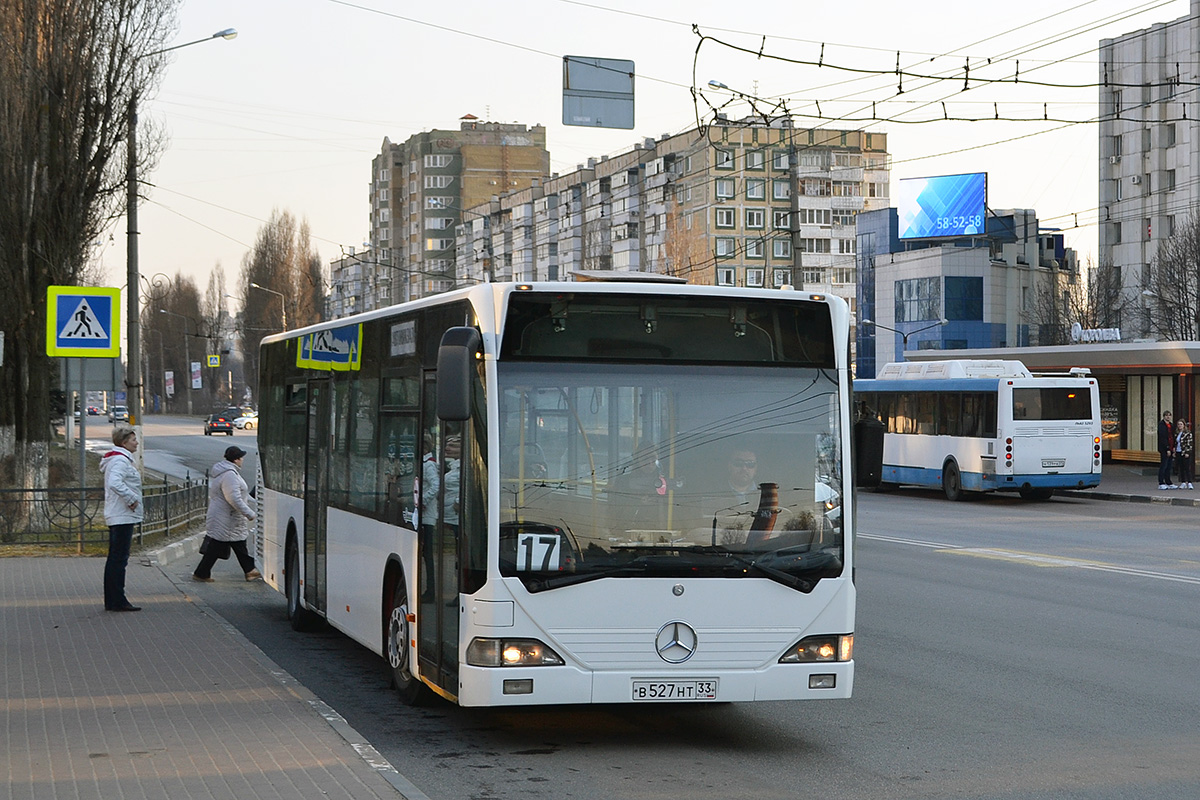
(455, 370)
(868, 453)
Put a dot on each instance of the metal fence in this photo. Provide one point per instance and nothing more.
(74, 517)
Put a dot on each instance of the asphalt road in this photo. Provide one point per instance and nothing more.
(1004, 650)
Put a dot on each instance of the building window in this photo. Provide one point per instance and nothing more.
(755, 159)
(779, 220)
(438, 245)
(725, 276)
(918, 299)
(847, 189)
(755, 249)
(755, 218)
(781, 277)
(964, 299)
(724, 159)
(754, 277)
(725, 247)
(781, 248)
(1170, 181)
(814, 245)
(756, 189)
(438, 161)
(843, 216)
(812, 187)
(438, 181)
(725, 218)
(439, 223)
(781, 190)
(433, 201)
(725, 188)
(846, 246)
(779, 160)
(813, 216)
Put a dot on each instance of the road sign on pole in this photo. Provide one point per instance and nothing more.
(83, 322)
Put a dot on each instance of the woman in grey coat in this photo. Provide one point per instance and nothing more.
(229, 511)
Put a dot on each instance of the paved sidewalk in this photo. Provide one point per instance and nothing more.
(167, 702)
(1136, 483)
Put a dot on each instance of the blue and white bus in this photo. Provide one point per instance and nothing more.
(985, 426)
(521, 493)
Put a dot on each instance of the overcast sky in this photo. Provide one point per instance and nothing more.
(290, 113)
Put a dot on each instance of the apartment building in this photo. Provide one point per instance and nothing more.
(714, 206)
(1149, 150)
(418, 192)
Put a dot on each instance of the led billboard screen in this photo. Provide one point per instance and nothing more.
(945, 205)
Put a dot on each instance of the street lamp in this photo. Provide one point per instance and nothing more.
(134, 400)
(187, 354)
(904, 336)
(282, 301)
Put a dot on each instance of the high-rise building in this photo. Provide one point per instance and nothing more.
(714, 206)
(1149, 152)
(419, 189)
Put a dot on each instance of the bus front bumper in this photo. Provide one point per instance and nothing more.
(509, 686)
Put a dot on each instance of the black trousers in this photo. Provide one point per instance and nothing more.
(120, 540)
(204, 570)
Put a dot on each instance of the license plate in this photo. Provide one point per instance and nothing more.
(1054, 462)
(703, 689)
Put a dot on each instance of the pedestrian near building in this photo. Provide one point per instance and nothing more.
(229, 511)
(123, 510)
(1184, 445)
(1166, 447)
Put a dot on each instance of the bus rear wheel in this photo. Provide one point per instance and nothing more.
(952, 482)
(301, 618)
(1034, 493)
(398, 647)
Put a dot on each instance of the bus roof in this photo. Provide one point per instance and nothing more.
(953, 368)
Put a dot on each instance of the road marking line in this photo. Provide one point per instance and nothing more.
(1036, 559)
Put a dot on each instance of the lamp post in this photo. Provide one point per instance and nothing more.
(282, 301)
(904, 336)
(134, 356)
(187, 354)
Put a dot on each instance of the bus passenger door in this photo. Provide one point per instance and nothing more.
(316, 493)
(437, 622)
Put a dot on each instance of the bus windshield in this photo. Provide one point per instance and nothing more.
(626, 470)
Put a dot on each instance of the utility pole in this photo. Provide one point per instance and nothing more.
(794, 214)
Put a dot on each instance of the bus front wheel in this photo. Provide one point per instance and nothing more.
(952, 482)
(400, 652)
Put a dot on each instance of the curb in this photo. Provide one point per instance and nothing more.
(190, 546)
(1132, 498)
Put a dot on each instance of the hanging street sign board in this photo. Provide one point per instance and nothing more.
(83, 322)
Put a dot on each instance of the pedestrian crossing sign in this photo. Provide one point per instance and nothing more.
(83, 321)
(214, 361)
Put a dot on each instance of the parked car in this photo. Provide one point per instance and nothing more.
(118, 414)
(218, 423)
(248, 420)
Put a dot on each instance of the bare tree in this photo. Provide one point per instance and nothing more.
(1174, 285)
(284, 262)
(1094, 299)
(67, 71)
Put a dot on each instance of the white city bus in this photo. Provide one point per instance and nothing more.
(984, 426)
(519, 493)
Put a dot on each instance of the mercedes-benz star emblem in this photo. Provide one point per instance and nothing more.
(676, 642)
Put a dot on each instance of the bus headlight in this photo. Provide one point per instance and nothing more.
(511, 653)
(820, 648)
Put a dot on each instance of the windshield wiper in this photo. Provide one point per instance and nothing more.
(572, 578)
(787, 579)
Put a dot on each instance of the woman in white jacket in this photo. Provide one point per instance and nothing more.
(229, 510)
(122, 510)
